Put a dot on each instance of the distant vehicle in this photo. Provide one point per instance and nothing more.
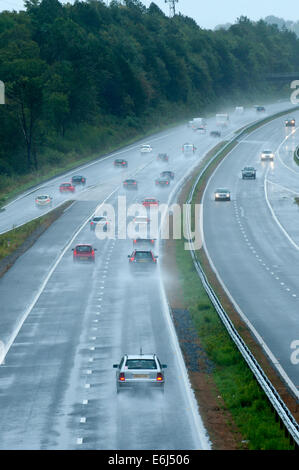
(145, 148)
(249, 173)
(77, 180)
(43, 200)
(290, 122)
(141, 220)
(215, 134)
(130, 184)
(267, 155)
(167, 174)
(189, 124)
(67, 188)
(150, 201)
(222, 120)
(144, 241)
(199, 124)
(163, 182)
(139, 370)
(163, 157)
(120, 163)
(239, 109)
(222, 195)
(99, 221)
(83, 252)
(260, 109)
(142, 259)
(188, 149)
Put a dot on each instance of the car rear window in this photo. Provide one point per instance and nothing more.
(141, 364)
(143, 255)
(84, 249)
(43, 197)
(98, 219)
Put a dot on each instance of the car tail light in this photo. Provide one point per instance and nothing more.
(132, 259)
(134, 241)
(75, 253)
(159, 377)
(92, 253)
(134, 182)
(121, 377)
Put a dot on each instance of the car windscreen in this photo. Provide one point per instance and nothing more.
(141, 364)
(83, 249)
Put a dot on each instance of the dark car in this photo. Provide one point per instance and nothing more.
(67, 188)
(78, 179)
(163, 157)
(83, 252)
(142, 259)
(140, 370)
(215, 134)
(167, 174)
(249, 173)
(163, 182)
(130, 184)
(97, 221)
(260, 109)
(120, 163)
(290, 123)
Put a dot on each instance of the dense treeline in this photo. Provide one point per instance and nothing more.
(78, 76)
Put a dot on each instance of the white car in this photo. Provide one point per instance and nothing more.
(267, 155)
(43, 200)
(146, 148)
(239, 110)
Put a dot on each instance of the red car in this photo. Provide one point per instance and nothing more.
(119, 162)
(67, 187)
(150, 201)
(83, 252)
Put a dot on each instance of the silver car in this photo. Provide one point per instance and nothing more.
(222, 195)
(139, 370)
(267, 155)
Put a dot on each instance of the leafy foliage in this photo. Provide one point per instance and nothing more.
(118, 67)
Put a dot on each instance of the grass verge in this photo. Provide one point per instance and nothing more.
(17, 241)
(240, 393)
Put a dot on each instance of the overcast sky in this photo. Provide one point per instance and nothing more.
(208, 13)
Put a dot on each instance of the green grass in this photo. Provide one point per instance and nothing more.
(243, 397)
(12, 240)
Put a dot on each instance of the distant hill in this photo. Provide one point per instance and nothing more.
(271, 19)
(281, 23)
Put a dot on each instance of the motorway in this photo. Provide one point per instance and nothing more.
(64, 325)
(253, 241)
